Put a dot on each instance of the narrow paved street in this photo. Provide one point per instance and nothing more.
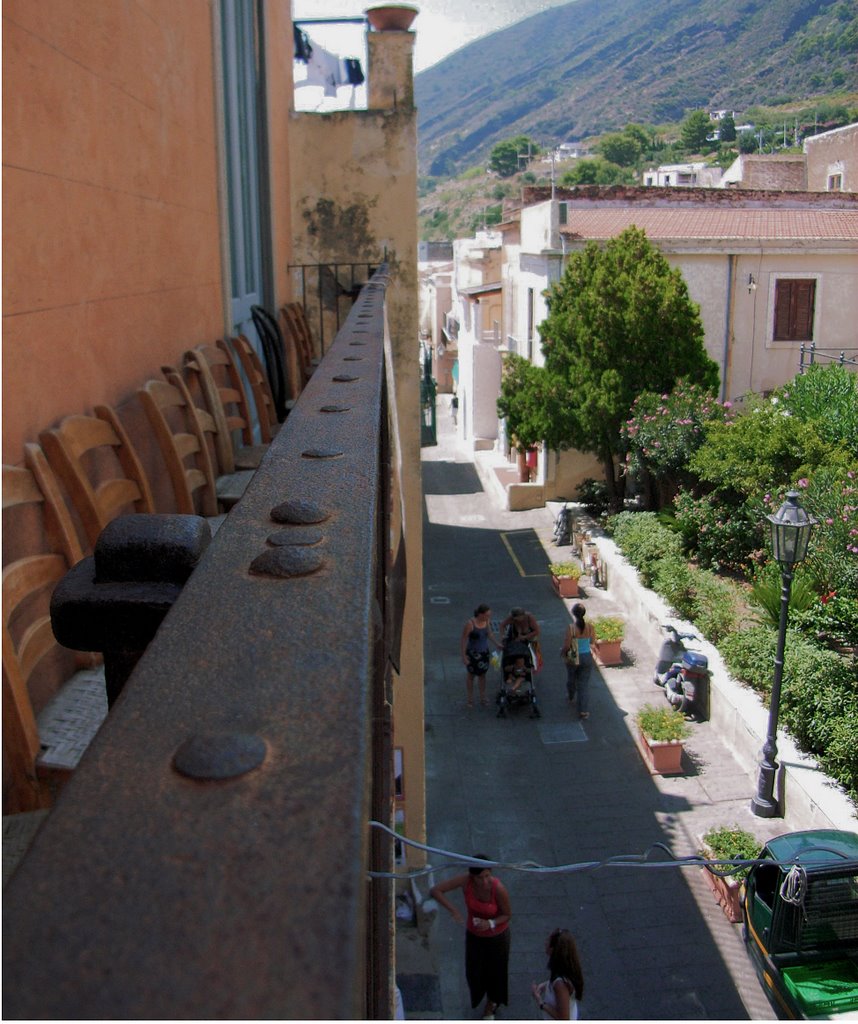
(554, 791)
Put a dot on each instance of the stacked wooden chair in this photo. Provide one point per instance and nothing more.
(184, 437)
(53, 700)
(99, 468)
(213, 373)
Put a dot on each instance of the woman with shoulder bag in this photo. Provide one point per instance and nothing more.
(578, 653)
(558, 997)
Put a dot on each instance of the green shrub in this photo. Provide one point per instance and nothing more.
(608, 628)
(644, 541)
(818, 687)
(673, 580)
(662, 724)
(831, 496)
(716, 605)
(766, 594)
(593, 495)
(731, 843)
(832, 619)
(720, 535)
(819, 696)
(841, 754)
(826, 396)
(750, 656)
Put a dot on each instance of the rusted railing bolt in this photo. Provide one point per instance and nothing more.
(219, 756)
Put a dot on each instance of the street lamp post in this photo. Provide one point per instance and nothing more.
(791, 527)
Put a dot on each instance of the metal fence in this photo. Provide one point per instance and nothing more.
(241, 890)
(327, 292)
(809, 354)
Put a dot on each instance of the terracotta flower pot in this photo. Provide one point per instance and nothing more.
(728, 893)
(664, 757)
(391, 17)
(565, 586)
(609, 652)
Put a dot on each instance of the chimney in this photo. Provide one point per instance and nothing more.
(390, 74)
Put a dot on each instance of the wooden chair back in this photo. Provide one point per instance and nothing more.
(45, 545)
(219, 381)
(99, 468)
(298, 330)
(173, 416)
(259, 387)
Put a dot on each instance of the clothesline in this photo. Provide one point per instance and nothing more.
(324, 70)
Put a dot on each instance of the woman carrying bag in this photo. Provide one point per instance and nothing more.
(577, 652)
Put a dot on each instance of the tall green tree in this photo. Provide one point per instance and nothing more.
(597, 171)
(620, 148)
(694, 130)
(504, 157)
(727, 130)
(620, 322)
(520, 401)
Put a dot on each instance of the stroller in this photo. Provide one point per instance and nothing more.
(525, 694)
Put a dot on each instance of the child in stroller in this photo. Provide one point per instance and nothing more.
(517, 663)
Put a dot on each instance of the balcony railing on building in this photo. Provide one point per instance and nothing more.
(327, 292)
(809, 354)
(243, 890)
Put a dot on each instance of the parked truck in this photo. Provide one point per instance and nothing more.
(801, 923)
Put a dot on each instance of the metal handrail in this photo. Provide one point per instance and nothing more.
(151, 892)
(830, 355)
(327, 291)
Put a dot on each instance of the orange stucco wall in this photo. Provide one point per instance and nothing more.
(113, 244)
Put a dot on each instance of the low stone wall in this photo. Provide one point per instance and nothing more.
(813, 799)
(520, 497)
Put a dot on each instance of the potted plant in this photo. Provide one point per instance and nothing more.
(609, 631)
(564, 577)
(393, 17)
(729, 843)
(662, 730)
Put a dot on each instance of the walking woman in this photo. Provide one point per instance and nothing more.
(475, 650)
(487, 933)
(577, 651)
(558, 997)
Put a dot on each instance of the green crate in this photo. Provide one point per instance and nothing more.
(831, 986)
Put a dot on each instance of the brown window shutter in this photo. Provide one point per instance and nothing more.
(803, 299)
(794, 304)
(782, 304)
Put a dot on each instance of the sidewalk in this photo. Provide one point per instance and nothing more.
(556, 791)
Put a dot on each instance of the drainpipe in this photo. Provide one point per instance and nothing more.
(728, 325)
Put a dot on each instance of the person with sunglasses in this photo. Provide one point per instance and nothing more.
(558, 997)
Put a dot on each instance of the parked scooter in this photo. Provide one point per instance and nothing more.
(683, 673)
(563, 525)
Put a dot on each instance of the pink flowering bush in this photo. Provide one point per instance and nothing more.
(830, 495)
(720, 536)
(664, 430)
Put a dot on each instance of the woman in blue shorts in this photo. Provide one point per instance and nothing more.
(476, 655)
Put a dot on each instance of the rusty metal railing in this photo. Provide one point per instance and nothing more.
(327, 291)
(209, 857)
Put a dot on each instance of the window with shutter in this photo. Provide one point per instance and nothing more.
(794, 305)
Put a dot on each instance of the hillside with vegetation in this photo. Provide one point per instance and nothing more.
(458, 205)
(593, 66)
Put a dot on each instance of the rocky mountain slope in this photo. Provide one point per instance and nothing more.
(594, 65)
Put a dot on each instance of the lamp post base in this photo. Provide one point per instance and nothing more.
(764, 803)
(762, 807)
